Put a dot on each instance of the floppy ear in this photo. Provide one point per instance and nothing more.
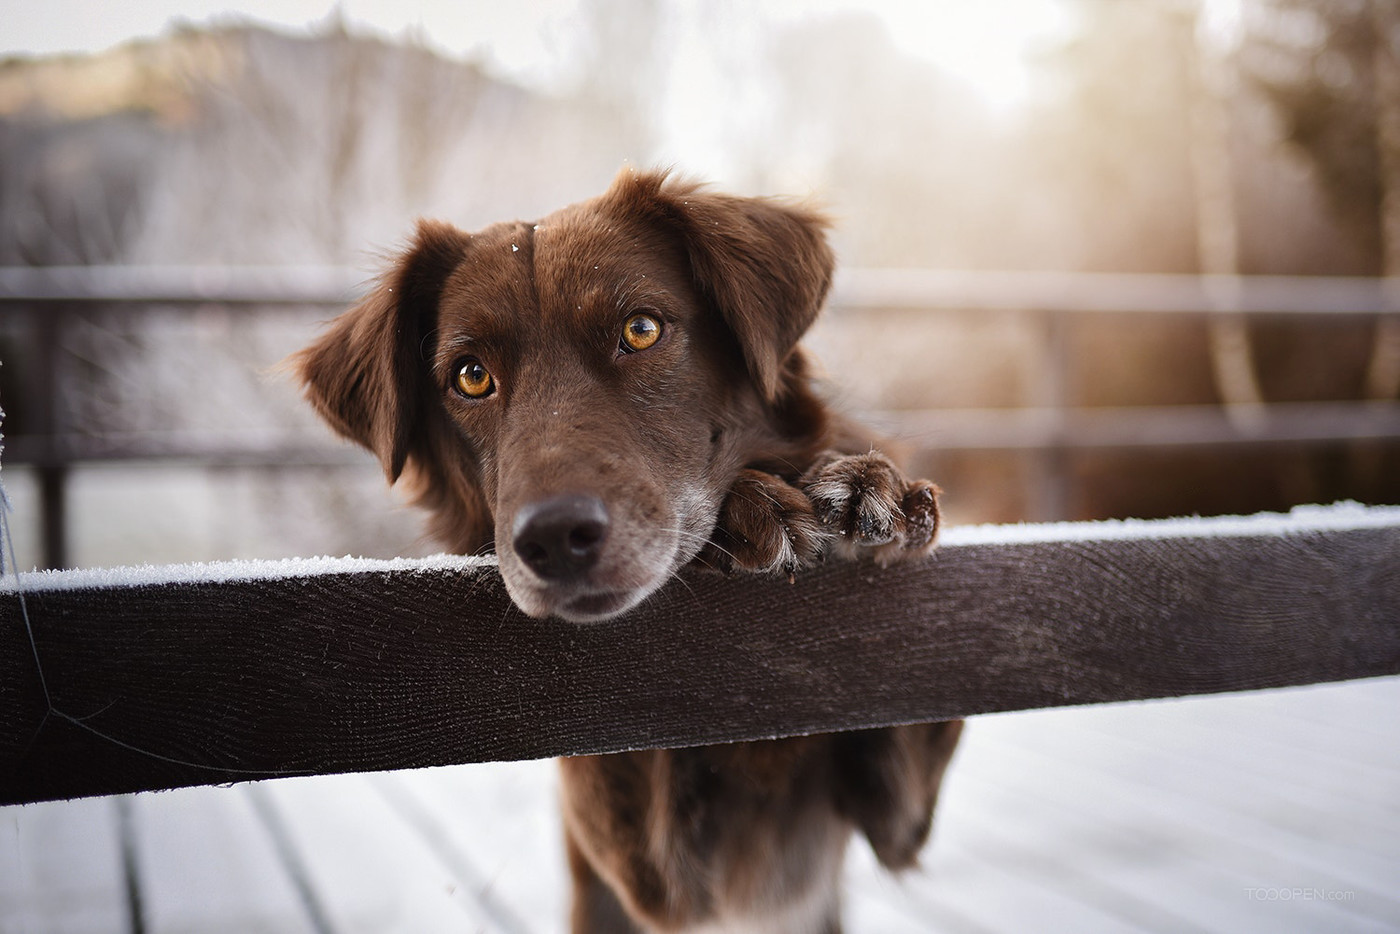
(764, 264)
(367, 375)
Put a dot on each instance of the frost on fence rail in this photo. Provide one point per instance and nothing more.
(197, 674)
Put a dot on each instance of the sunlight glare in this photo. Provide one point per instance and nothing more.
(985, 43)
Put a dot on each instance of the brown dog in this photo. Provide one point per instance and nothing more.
(604, 397)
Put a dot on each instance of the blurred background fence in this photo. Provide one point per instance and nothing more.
(122, 350)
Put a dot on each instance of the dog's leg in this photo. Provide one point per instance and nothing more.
(625, 861)
(596, 909)
(869, 504)
(888, 781)
(766, 525)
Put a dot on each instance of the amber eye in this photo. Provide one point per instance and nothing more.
(473, 379)
(640, 332)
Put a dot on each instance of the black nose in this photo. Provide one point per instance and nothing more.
(560, 538)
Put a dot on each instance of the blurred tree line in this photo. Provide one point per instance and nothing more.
(1327, 68)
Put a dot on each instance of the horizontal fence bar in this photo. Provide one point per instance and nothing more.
(179, 285)
(934, 429)
(1142, 426)
(862, 288)
(152, 678)
(1071, 292)
(197, 448)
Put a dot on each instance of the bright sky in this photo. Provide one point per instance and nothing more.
(982, 41)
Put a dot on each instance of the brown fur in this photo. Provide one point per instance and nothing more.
(596, 472)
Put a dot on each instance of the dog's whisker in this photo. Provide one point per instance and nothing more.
(684, 533)
(704, 540)
(680, 579)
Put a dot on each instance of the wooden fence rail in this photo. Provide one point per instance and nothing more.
(153, 678)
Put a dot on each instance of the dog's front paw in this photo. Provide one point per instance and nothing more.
(869, 504)
(766, 525)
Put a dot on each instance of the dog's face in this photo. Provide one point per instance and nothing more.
(581, 391)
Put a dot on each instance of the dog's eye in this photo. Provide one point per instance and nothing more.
(640, 332)
(473, 379)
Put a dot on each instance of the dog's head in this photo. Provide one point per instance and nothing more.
(581, 391)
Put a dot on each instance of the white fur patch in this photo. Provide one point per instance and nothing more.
(832, 494)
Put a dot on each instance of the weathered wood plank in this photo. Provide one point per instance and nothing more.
(369, 869)
(1148, 800)
(61, 869)
(1260, 820)
(205, 863)
(227, 674)
(498, 827)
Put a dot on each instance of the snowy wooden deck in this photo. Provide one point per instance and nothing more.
(1274, 811)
